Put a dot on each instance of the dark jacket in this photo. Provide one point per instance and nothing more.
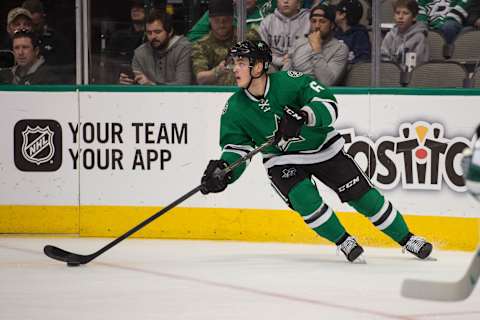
(473, 12)
(38, 73)
(123, 43)
(358, 42)
(56, 49)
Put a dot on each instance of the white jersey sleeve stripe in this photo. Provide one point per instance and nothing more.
(330, 105)
(312, 119)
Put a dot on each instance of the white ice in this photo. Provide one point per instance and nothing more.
(177, 279)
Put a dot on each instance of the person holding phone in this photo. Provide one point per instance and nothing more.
(165, 59)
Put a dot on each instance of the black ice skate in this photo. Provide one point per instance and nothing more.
(418, 247)
(351, 249)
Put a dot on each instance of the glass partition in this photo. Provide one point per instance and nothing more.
(117, 28)
(93, 42)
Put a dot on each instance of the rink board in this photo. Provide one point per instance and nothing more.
(125, 153)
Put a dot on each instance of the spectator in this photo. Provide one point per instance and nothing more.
(407, 35)
(53, 46)
(164, 59)
(30, 66)
(448, 17)
(255, 15)
(281, 28)
(319, 54)
(209, 53)
(17, 19)
(123, 42)
(474, 14)
(351, 32)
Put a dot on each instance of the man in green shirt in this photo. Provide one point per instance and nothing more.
(299, 113)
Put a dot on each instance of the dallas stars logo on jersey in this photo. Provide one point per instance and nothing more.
(295, 74)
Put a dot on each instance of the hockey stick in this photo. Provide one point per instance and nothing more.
(444, 291)
(451, 291)
(73, 259)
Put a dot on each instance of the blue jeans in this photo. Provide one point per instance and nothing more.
(450, 29)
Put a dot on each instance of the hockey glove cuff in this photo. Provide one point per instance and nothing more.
(214, 178)
(290, 125)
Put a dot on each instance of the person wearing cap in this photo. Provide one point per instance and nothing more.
(17, 19)
(282, 28)
(165, 59)
(256, 11)
(123, 42)
(319, 54)
(208, 53)
(351, 32)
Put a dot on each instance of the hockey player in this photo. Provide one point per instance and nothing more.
(299, 112)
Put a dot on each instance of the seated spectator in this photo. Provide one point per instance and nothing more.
(123, 42)
(30, 66)
(351, 32)
(407, 35)
(281, 28)
(319, 54)
(53, 46)
(209, 53)
(474, 14)
(17, 19)
(447, 16)
(255, 15)
(164, 59)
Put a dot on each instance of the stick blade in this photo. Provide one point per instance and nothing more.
(436, 291)
(445, 291)
(63, 255)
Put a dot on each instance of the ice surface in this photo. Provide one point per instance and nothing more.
(178, 279)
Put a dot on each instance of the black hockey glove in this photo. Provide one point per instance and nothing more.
(290, 125)
(214, 179)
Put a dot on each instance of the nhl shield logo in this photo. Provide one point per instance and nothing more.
(37, 146)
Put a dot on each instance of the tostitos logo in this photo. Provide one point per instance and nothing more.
(420, 157)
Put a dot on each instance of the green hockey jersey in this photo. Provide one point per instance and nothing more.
(435, 12)
(248, 121)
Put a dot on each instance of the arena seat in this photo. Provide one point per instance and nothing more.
(447, 74)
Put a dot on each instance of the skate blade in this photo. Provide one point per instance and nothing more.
(359, 260)
(430, 259)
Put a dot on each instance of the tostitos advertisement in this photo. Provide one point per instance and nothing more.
(145, 149)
